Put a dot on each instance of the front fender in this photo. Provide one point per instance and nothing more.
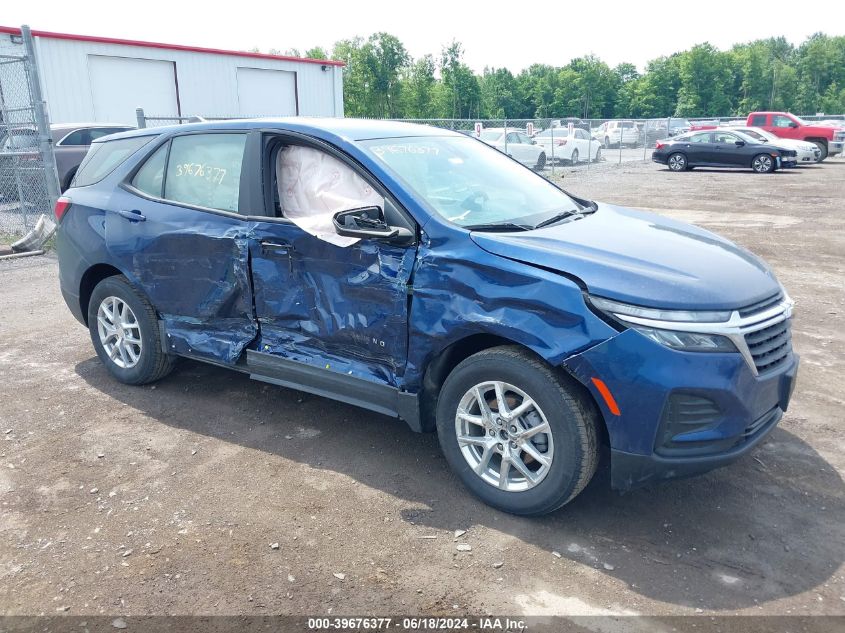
(467, 291)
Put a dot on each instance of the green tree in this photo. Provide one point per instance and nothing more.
(418, 89)
(460, 94)
(706, 82)
(317, 52)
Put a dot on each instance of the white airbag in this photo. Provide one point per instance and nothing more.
(313, 186)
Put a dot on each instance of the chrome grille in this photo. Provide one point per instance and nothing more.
(770, 346)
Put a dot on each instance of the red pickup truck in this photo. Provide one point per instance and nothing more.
(830, 140)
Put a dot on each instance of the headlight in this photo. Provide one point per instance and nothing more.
(687, 341)
(646, 320)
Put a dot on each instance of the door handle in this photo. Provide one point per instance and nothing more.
(269, 245)
(133, 216)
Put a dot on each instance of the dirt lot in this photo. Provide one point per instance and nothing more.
(167, 499)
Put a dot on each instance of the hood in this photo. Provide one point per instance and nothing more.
(642, 258)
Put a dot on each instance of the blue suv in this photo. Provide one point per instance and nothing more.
(424, 275)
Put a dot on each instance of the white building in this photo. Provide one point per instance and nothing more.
(103, 79)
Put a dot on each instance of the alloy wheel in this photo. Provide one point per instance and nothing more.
(762, 163)
(504, 436)
(120, 332)
(677, 162)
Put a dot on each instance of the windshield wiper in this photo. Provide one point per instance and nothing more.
(558, 217)
(498, 226)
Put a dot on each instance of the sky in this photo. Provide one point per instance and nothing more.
(494, 34)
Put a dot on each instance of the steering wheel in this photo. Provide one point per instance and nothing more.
(475, 201)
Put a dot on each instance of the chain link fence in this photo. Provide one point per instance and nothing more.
(28, 181)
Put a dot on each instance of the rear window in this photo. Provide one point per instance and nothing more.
(758, 120)
(103, 158)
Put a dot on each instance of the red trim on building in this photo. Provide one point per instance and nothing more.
(171, 47)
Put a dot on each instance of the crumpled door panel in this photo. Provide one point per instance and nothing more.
(343, 309)
(194, 268)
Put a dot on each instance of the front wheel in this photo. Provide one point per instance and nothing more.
(677, 162)
(125, 333)
(763, 164)
(822, 148)
(598, 155)
(574, 158)
(515, 432)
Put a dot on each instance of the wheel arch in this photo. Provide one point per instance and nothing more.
(817, 139)
(442, 364)
(90, 278)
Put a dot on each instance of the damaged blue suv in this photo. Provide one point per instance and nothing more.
(424, 275)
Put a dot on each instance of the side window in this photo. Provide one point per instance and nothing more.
(700, 138)
(150, 178)
(758, 120)
(77, 137)
(103, 158)
(204, 170)
(313, 186)
(524, 139)
(779, 120)
(722, 137)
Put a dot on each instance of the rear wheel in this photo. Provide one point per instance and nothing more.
(763, 164)
(822, 148)
(516, 434)
(598, 155)
(574, 158)
(541, 162)
(125, 333)
(677, 162)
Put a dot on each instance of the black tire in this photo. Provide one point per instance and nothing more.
(677, 162)
(573, 429)
(574, 158)
(607, 142)
(822, 148)
(598, 155)
(763, 164)
(541, 162)
(152, 363)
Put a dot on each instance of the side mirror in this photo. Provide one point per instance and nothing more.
(739, 143)
(366, 222)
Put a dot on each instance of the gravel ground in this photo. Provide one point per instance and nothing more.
(211, 494)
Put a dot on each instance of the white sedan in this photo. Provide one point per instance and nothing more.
(517, 145)
(806, 152)
(573, 148)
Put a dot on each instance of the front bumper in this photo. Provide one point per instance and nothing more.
(647, 443)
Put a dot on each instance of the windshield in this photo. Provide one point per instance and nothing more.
(798, 119)
(470, 183)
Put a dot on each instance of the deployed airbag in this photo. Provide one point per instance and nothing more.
(313, 186)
